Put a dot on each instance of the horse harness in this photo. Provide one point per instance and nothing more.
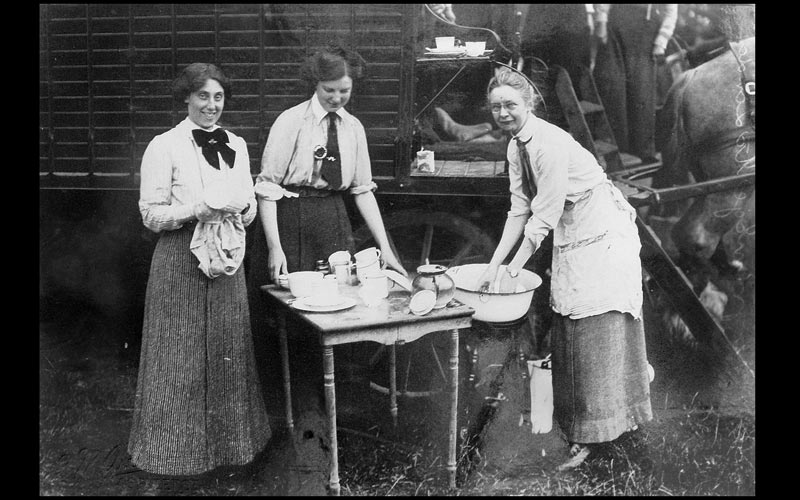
(746, 132)
(748, 85)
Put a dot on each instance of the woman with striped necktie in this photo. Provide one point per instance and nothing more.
(600, 378)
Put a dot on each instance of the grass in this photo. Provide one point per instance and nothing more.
(690, 448)
(699, 452)
(695, 452)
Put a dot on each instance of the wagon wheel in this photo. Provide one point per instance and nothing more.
(419, 237)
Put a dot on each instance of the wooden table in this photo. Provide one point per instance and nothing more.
(390, 323)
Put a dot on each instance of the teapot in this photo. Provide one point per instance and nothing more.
(434, 277)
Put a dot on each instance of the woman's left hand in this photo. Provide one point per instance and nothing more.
(389, 260)
(486, 281)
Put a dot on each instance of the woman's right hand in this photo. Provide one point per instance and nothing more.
(488, 278)
(204, 213)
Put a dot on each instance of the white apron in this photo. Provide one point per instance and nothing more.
(596, 265)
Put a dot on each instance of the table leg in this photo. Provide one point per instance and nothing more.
(287, 383)
(451, 459)
(393, 383)
(330, 407)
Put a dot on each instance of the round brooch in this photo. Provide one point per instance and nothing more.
(320, 152)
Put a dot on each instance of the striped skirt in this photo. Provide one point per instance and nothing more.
(601, 387)
(198, 402)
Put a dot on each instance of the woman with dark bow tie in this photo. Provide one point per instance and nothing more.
(198, 402)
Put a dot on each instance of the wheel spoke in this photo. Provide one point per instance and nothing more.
(424, 237)
(376, 356)
(461, 254)
(438, 363)
(427, 242)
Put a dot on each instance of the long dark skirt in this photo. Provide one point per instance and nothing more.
(601, 387)
(310, 228)
(198, 401)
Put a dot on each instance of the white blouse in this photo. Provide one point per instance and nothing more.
(175, 175)
(596, 266)
(288, 158)
(562, 171)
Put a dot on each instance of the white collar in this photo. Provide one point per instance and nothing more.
(526, 133)
(188, 125)
(320, 113)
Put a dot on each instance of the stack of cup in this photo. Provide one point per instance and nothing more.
(340, 266)
(367, 261)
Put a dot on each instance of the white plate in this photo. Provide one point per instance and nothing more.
(398, 278)
(446, 52)
(301, 304)
(323, 302)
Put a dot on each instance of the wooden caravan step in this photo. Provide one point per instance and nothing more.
(603, 148)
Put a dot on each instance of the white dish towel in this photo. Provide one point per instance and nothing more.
(219, 245)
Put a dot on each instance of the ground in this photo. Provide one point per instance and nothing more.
(701, 441)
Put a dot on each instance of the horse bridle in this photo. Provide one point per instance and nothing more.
(748, 84)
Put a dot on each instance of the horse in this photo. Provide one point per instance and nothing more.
(706, 131)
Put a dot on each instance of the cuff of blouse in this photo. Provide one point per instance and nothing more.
(535, 237)
(269, 191)
(363, 189)
(184, 214)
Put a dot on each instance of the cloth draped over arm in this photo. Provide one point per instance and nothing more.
(176, 176)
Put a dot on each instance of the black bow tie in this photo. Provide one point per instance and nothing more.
(213, 143)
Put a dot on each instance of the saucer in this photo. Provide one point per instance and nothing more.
(453, 51)
(332, 301)
(302, 305)
(422, 302)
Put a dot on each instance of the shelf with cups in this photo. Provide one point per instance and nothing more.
(456, 159)
(430, 58)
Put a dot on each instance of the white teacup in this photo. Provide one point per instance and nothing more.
(363, 270)
(340, 257)
(340, 265)
(475, 48)
(367, 256)
(445, 42)
(373, 288)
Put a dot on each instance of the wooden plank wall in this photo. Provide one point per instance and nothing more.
(106, 70)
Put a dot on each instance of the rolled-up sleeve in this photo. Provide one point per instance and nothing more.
(362, 177)
(155, 191)
(278, 153)
(551, 174)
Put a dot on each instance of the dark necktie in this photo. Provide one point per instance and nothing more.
(213, 143)
(528, 186)
(331, 169)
